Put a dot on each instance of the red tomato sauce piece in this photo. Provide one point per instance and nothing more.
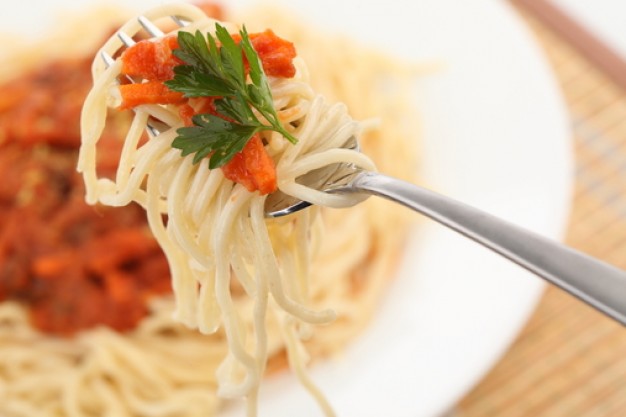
(253, 168)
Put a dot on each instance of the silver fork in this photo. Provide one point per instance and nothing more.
(599, 284)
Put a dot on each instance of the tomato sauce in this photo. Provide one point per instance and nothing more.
(72, 265)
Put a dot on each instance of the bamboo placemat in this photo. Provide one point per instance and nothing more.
(570, 360)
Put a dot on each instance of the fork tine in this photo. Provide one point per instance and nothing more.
(108, 59)
(126, 40)
(150, 27)
(179, 21)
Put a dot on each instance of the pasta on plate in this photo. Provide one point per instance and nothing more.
(261, 292)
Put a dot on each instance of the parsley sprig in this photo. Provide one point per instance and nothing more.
(210, 70)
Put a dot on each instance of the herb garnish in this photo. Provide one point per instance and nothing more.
(212, 71)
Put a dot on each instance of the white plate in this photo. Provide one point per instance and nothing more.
(495, 136)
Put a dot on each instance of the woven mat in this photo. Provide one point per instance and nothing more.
(570, 360)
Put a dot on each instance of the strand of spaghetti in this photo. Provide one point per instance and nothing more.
(183, 282)
(252, 402)
(208, 314)
(338, 134)
(108, 396)
(316, 197)
(238, 259)
(271, 269)
(190, 402)
(23, 410)
(288, 111)
(136, 129)
(131, 358)
(128, 356)
(70, 395)
(203, 189)
(297, 361)
(260, 303)
(159, 155)
(312, 123)
(213, 211)
(105, 354)
(303, 253)
(287, 253)
(94, 109)
(28, 384)
(295, 249)
(321, 159)
(294, 113)
(239, 199)
(331, 128)
(178, 221)
(122, 194)
(284, 94)
(165, 114)
(286, 90)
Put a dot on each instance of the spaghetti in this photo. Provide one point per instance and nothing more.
(142, 372)
(214, 226)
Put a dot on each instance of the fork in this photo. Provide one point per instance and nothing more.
(599, 284)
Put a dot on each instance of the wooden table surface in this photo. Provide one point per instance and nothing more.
(570, 360)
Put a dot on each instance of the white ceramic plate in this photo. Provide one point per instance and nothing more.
(495, 136)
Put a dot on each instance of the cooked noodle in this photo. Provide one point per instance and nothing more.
(288, 273)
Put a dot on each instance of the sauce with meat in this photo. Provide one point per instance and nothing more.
(72, 265)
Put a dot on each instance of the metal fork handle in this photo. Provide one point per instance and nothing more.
(599, 284)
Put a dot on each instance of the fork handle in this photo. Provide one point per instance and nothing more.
(599, 284)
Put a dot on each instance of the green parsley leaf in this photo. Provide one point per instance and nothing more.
(197, 84)
(213, 136)
(237, 109)
(210, 70)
